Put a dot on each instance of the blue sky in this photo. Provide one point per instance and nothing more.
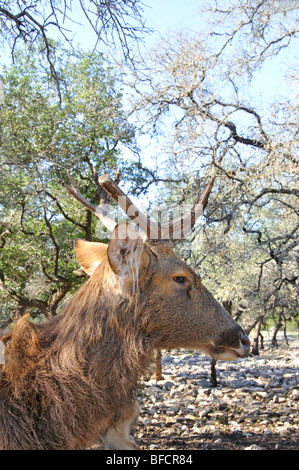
(165, 14)
(160, 15)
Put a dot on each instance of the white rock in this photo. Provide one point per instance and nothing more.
(253, 447)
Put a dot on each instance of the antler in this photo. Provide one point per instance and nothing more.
(124, 202)
(175, 230)
(155, 232)
(101, 211)
(179, 228)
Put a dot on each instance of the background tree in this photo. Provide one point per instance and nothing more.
(40, 140)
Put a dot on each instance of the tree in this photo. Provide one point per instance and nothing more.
(28, 23)
(194, 92)
(255, 31)
(42, 138)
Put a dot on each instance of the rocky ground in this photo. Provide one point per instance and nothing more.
(255, 405)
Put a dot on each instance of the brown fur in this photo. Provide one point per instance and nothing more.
(70, 382)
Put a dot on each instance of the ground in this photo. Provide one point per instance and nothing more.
(255, 405)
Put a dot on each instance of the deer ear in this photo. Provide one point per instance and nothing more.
(90, 254)
(125, 250)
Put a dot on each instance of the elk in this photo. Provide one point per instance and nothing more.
(71, 382)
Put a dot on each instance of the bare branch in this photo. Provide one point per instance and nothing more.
(113, 21)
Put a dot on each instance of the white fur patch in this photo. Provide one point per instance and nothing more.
(124, 254)
(2, 348)
(128, 261)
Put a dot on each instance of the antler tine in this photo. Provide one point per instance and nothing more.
(179, 228)
(74, 191)
(99, 211)
(150, 228)
(206, 194)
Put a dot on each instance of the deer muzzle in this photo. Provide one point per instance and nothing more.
(243, 350)
(229, 348)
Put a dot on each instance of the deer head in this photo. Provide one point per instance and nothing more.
(177, 310)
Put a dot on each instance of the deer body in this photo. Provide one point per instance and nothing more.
(71, 382)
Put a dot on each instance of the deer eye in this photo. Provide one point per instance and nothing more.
(180, 279)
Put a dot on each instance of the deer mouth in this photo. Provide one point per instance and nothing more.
(224, 354)
(229, 353)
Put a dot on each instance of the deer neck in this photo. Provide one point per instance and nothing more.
(109, 344)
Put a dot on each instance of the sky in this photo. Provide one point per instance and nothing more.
(165, 14)
(160, 15)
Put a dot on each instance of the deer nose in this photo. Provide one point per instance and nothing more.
(244, 343)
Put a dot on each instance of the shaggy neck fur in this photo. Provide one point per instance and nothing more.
(65, 382)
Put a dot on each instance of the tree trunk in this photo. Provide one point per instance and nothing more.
(286, 341)
(255, 343)
(252, 325)
(57, 298)
(262, 340)
(276, 330)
